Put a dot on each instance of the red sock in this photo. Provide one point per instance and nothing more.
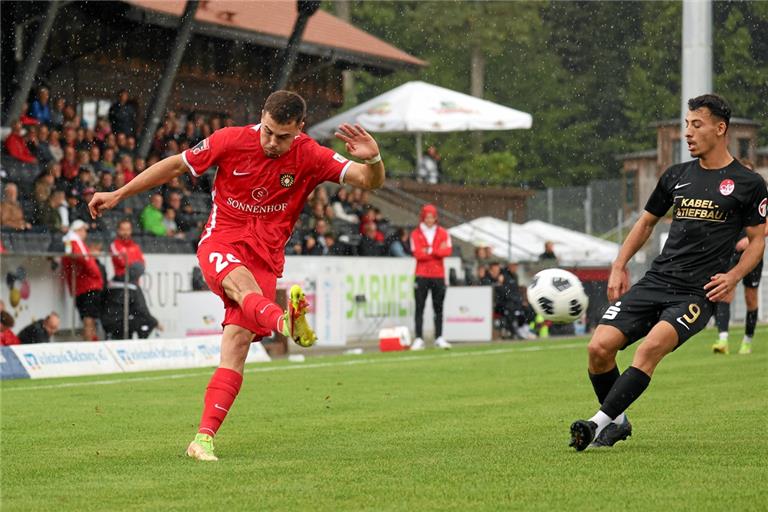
(265, 312)
(219, 397)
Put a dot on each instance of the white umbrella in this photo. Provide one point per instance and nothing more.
(418, 107)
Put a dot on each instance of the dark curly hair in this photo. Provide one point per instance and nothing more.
(716, 105)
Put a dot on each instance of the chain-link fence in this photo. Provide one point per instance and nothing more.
(593, 209)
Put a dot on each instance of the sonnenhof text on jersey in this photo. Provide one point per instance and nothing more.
(257, 208)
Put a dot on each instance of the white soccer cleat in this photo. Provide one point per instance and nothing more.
(418, 344)
(441, 343)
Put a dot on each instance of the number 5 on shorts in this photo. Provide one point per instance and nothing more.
(221, 263)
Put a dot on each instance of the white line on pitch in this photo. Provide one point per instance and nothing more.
(299, 366)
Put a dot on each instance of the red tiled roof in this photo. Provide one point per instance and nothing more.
(276, 18)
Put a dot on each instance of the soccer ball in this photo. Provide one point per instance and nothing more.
(557, 295)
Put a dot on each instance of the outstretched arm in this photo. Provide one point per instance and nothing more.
(720, 287)
(361, 145)
(157, 174)
(618, 282)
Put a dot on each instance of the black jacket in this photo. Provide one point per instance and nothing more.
(34, 333)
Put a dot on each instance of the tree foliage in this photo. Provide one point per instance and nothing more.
(594, 75)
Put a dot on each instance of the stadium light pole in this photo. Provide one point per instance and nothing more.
(305, 8)
(157, 108)
(696, 76)
(29, 71)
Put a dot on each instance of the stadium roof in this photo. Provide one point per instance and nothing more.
(271, 23)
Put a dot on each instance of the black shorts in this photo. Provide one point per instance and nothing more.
(647, 303)
(89, 304)
(751, 280)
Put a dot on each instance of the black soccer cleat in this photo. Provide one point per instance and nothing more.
(582, 434)
(612, 434)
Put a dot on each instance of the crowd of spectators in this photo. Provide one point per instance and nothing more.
(510, 304)
(65, 161)
(56, 162)
(345, 224)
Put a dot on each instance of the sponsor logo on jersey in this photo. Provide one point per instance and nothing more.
(762, 207)
(700, 209)
(257, 208)
(287, 180)
(339, 158)
(259, 194)
(726, 187)
(201, 146)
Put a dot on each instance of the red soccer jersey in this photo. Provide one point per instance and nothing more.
(119, 249)
(260, 194)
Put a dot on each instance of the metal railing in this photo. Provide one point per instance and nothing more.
(456, 219)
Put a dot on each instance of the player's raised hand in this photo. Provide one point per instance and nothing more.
(102, 201)
(618, 283)
(359, 143)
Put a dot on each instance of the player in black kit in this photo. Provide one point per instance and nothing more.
(712, 199)
(750, 282)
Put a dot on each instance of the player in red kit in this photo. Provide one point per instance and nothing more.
(265, 173)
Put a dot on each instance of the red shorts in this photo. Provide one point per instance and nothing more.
(218, 256)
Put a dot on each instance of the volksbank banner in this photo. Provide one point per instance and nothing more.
(155, 354)
(65, 359)
(82, 358)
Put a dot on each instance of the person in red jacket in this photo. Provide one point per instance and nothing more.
(430, 244)
(6, 334)
(16, 146)
(125, 252)
(82, 271)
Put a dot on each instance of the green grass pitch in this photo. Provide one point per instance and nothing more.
(477, 428)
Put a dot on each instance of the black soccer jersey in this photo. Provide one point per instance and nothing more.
(709, 209)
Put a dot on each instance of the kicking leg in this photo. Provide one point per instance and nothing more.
(240, 286)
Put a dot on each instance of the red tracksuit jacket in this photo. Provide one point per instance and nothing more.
(87, 274)
(119, 248)
(429, 258)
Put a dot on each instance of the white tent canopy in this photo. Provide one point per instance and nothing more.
(419, 107)
(571, 247)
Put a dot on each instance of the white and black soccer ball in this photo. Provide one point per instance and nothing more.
(557, 295)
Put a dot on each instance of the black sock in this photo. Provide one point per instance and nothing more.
(603, 382)
(751, 323)
(626, 390)
(722, 316)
